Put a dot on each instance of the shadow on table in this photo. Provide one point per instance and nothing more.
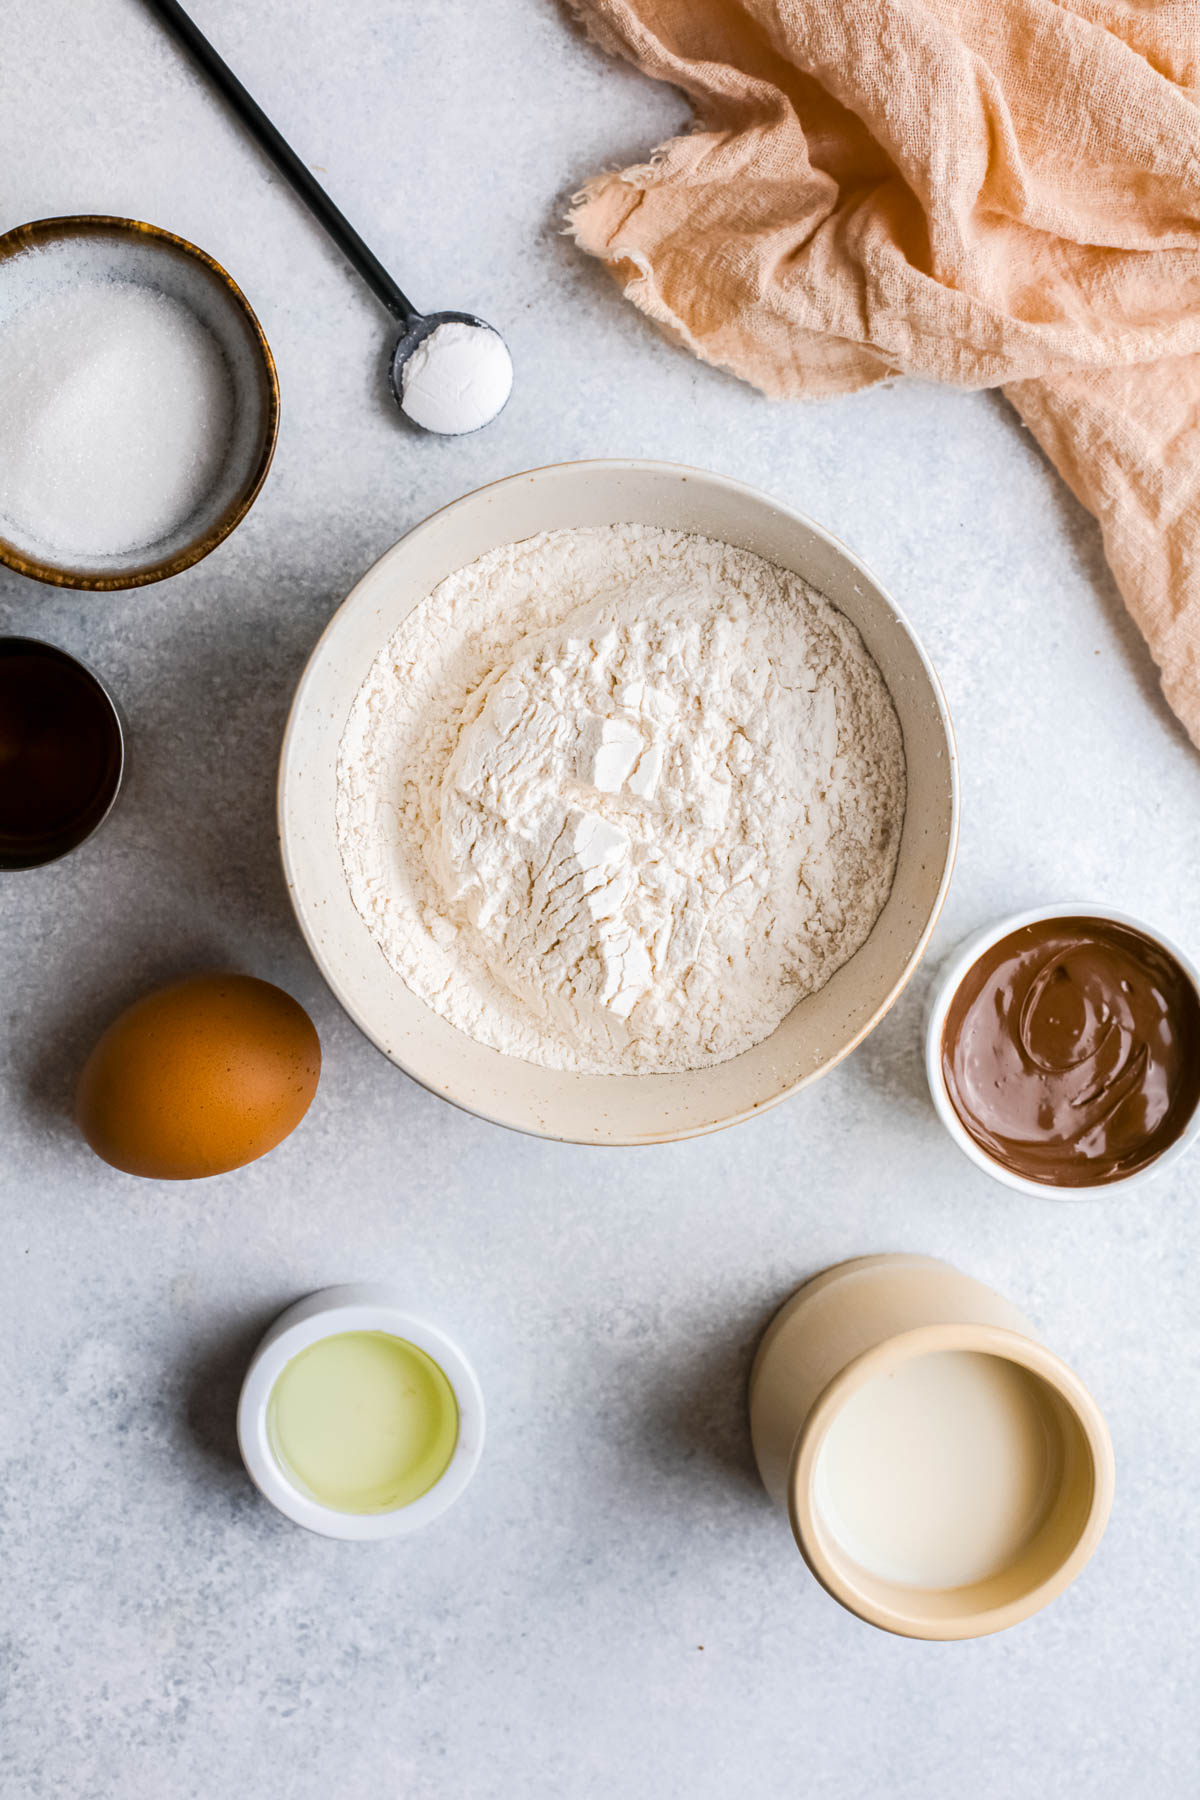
(211, 1381)
(699, 1410)
(1087, 545)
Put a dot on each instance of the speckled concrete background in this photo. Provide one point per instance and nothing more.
(614, 1608)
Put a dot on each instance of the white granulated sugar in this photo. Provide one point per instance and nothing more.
(117, 411)
(457, 379)
(614, 799)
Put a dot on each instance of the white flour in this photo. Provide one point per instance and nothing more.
(615, 799)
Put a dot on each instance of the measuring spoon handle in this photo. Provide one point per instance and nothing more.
(286, 161)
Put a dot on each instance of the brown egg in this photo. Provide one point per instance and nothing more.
(199, 1078)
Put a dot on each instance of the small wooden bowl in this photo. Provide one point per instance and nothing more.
(133, 251)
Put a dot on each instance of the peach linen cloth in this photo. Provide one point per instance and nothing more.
(996, 193)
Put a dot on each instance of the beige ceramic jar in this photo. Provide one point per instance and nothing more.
(866, 1322)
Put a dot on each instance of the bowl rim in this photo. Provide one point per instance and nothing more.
(950, 977)
(311, 672)
(77, 225)
(356, 1306)
(924, 1340)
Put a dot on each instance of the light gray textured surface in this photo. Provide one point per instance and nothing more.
(614, 1608)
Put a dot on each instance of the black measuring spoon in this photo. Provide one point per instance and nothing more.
(416, 326)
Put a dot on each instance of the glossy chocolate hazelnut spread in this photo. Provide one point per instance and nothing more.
(1071, 1051)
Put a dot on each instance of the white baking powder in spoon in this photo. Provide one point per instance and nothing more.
(118, 405)
(457, 379)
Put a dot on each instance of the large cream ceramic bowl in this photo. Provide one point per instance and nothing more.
(610, 1109)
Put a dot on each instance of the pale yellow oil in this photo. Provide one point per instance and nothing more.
(363, 1422)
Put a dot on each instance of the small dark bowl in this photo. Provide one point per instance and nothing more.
(128, 249)
(61, 800)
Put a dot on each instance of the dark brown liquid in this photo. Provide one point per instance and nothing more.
(1071, 1051)
(60, 753)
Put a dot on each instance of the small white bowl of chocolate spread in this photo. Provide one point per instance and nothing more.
(1063, 1051)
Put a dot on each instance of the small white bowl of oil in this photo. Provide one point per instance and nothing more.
(357, 1419)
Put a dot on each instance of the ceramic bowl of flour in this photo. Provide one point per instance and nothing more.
(687, 803)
